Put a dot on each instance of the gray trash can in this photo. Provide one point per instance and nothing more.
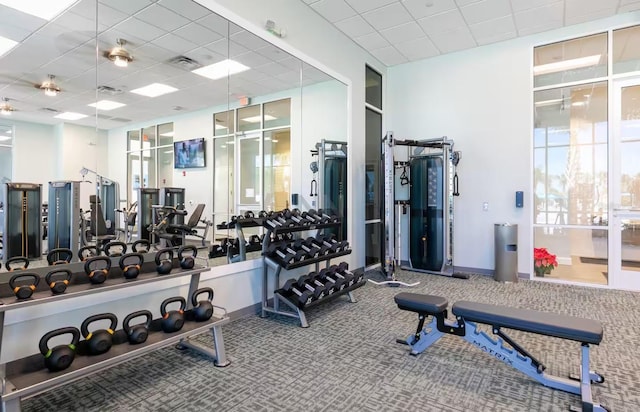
(506, 250)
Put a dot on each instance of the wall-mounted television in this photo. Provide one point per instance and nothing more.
(189, 154)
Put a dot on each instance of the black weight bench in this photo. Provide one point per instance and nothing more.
(586, 331)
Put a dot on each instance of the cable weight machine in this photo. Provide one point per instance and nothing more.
(433, 184)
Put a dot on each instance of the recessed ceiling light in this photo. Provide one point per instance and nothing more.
(6, 45)
(70, 116)
(154, 90)
(43, 9)
(579, 103)
(168, 134)
(256, 119)
(106, 105)
(4, 138)
(566, 65)
(221, 69)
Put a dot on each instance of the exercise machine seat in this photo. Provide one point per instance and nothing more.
(424, 304)
(527, 320)
(190, 227)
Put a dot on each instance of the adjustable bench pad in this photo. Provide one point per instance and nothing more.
(423, 304)
(544, 323)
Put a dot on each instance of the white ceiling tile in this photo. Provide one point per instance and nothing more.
(127, 6)
(539, 19)
(215, 23)
(388, 16)
(389, 55)
(236, 49)
(162, 17)
(576, 8)
(372, 41)
(626, 2)
(353, 26)
(443, 22)
(462, 3)
(485, 10)
(197, 34)
(14, 33)
(417, 49)
(252, 59)
(521, 5)
(174, 43)
(17, 18)
(109, 17)
(186, 8)
(140, 29)
(76, 22)
(362, 6)
(333, 10)
(153, 52)
(272, 68)
(581, 18)
(272, 52)
(249, 40)
(108, 39)
(422, 8)
(494, 30)
(629, 7)
(403, 33)
(291, 63)
(453, 41)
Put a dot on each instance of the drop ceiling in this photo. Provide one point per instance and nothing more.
(167, 38)
(397, 31)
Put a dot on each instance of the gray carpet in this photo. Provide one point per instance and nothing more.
(348, 360)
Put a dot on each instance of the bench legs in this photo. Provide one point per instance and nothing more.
(420, 341)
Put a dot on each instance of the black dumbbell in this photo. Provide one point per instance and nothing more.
(313, 219)
(291, 288)
(328, 215)
(306, 281)
(340, 246)
(347, 277)
(314, 280)
(272, 222)
(326, 246)
(318, 216)
(296, 218)
(285, 253)
(343, 269)
(338, 283)
(312, 251)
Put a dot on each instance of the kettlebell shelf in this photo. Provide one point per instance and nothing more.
(28, 376)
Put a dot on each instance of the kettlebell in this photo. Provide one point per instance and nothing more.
(87, 252)
(172, 321)
(24, 291)
(61, 356)
(58, 286)
(141, 243)
(202, 310)
(54, 256)
(131, 270)
(99, 341)
(137, 333)
(112, 244)
(24, 260)
(97, 276)
(188, 261)
(164, 266)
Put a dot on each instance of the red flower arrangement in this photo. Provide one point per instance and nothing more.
(543, 261)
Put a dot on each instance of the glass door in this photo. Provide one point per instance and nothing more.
(624, 263)
(249, 155)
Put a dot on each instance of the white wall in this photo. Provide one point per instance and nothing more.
(482, 98)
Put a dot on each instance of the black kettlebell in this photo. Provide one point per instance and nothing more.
(99, 341)
(10, 262)
(164, 265)
(137, 333)
(61, 356)
(87, 252)
(60, 285)
(172, 321)
(112, 244)
(97, 276)
(24, 291)
(188, 261)
(59, 256)
(131, 270)
(202, 310)
(141, 243)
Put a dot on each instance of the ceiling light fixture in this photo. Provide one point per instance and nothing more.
(154, 90)
(106, 105)
(566, 65)
(221, 69)
(44, 9)
(6, 109)
(70, 116)
(119, 55)
(256, 119)
(50, 87)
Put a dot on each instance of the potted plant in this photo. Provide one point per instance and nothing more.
(543, 261)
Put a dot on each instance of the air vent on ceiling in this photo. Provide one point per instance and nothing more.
(49, 109)
(177, 108)
(109, 90)
(120, 119)
(104, 117)
(184, 62)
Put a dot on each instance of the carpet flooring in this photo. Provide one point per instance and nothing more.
(347, 360)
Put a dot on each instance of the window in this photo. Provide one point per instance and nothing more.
(373, 175)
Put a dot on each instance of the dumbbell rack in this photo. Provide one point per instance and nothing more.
(295, 310)
(27, 376)
(239, 224)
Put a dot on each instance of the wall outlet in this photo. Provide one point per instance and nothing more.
(485, 206)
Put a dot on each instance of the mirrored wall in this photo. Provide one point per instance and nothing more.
(160, 95)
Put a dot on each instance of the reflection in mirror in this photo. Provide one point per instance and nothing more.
(164, 73)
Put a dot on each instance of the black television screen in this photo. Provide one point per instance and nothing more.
(189, 153)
